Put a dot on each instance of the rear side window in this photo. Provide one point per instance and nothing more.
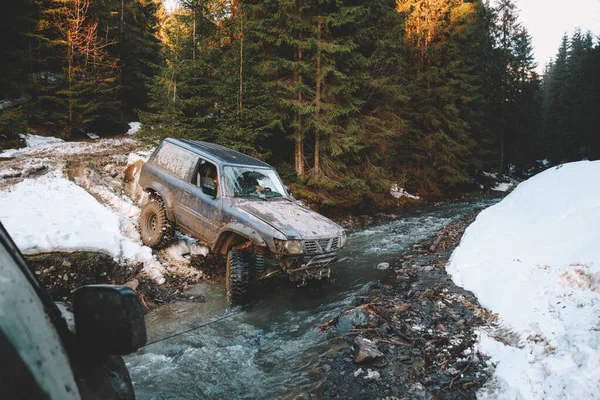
(178, 161)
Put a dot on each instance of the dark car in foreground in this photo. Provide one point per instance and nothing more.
(41, 358)
(238, 206)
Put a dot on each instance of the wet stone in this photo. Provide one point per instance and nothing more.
(383, 266)
(365, 350)
(356, 317)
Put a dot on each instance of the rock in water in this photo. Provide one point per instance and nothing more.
(355, 318)
(365, 350)
(383, 266)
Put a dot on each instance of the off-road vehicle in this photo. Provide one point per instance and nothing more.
(237, 206)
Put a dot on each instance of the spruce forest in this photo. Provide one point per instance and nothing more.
(345, 97)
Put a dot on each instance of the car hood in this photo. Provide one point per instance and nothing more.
(292, 219)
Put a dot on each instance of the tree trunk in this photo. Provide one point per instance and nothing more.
(194, 36)
(299, 148)
(241, 60)
(318, 79)
(122, 15)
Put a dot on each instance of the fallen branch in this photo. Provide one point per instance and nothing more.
(457, 376)
(436, 242)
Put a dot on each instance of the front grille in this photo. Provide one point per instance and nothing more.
(321, 245)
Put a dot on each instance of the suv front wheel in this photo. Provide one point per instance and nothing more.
(155, 228)
(237, 276)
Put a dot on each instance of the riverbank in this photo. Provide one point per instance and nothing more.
(412, 334)
(60, 273)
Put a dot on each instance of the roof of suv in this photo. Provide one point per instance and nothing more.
(223, 154)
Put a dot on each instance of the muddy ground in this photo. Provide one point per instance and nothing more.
(410, 336)
(60, 273)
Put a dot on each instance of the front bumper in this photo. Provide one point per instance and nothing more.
(311, 267)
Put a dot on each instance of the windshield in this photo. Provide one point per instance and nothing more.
(252, 182)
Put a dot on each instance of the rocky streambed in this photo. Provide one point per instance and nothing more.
(412, 334)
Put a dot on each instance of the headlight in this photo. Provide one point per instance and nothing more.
(343, 239)
(288, 246)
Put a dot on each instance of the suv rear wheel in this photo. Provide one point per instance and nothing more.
(155, 228)
(237, 276)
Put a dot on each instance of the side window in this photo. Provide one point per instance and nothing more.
(178, 161)
(205, 174)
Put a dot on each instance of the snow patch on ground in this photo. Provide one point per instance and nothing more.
(32, 142)
(503, 187)
(142, 155)
(398, 192)
(134, 128)
(51, 146)
(52, 213)
(5, 104)
(177, 255)
(38, 141)
(534, 258)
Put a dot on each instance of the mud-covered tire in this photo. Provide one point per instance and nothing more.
(237, 277)
(259, 263)
(155, 228)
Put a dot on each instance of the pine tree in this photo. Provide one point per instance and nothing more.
(441, 37)
(555, 125)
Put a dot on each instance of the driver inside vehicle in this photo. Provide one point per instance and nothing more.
(207, 175)
(248, 182)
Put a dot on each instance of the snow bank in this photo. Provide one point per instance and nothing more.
(37, 141)
(51, 146)
(534, 258)
(52, 213)
(503, 187)
(134, 128)
(398, 192)
(32, 142)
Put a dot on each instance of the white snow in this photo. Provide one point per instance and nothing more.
(51, 146)
(52, 213)
(93, 136)
(503, 187)
(38, 141)
(5, 104)
(142, 155)
(397, 192)
(534, 259)
(134, 128)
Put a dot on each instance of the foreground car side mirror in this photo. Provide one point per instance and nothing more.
(109, 319)
(288, 190)
(210, 190)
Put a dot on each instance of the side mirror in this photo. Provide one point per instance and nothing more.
(288, 190)
(210, 190)
(109, 319)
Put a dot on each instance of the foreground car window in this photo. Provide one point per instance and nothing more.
(252, 182)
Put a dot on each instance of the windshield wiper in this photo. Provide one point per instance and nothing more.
(249, 196)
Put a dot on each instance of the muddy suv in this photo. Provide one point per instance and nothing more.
(237, 206)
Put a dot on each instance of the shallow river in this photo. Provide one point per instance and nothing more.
(272, 347)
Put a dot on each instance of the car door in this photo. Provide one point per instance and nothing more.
(200, 213)
(34, 363)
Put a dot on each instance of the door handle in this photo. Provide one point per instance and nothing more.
(186, 192)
